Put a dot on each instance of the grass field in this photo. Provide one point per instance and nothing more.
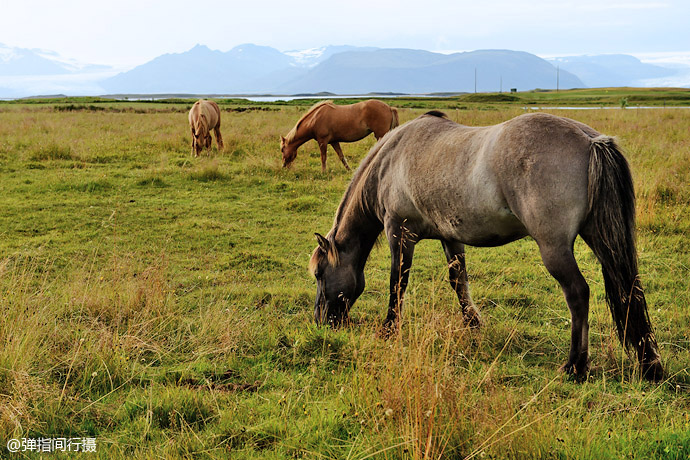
(161, 303)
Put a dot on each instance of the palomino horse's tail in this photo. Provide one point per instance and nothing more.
(610, 232)
(394, 120)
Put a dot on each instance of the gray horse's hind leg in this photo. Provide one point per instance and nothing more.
(401, 241)
(560, 262)
(339, 151)
(455, 255)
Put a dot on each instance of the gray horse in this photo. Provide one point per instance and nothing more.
(540, 175)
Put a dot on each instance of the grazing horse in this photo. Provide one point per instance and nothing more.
(540, 175)
(204, 116)
(331, 124)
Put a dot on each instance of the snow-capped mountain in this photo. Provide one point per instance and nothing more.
(30, 72)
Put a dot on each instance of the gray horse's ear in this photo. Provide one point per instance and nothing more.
(324, 244)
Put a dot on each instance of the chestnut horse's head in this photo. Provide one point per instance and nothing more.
(338, 282)
(289, 152)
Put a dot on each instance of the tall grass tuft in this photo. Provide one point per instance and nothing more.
(207, 171)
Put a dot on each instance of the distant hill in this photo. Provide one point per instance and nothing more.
(606, 70)
(201, 70)
(416, 71)
(341, 70)
(28, 72)
(21, 61)
(246, 68)
(252, 69)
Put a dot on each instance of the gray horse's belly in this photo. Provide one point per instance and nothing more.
(483, 228)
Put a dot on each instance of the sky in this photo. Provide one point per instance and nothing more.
(125, 33)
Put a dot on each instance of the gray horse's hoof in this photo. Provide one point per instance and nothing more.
(578, 372)
(389, 328)
(472, 317)
(652, 371)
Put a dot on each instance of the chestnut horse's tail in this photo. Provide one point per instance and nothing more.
(610, 232)
(394, 120)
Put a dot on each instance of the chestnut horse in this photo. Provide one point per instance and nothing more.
(330, 124)
(204, 117)
(548, 177)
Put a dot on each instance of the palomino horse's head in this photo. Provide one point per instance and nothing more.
(202, 136)
(289, 152)
(338, 282)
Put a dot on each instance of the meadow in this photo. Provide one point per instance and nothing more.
(161, 303)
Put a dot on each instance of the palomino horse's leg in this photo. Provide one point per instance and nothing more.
(455, 255)
(339, 151)
(401, 241)
(193, 143)
(560, 262)
(323, 146)
(219, 137)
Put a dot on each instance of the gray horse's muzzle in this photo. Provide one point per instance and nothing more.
(324, 313)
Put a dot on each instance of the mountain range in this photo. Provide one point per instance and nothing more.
(252, 69)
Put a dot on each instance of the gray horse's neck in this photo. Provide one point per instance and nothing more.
(356, 228)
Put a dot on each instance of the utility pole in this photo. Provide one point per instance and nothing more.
(475, 79)
(558, 77)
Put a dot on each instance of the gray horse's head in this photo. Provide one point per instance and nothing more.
(338, 282)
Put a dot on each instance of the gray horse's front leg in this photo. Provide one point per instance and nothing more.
(455, 255)
(402, 242)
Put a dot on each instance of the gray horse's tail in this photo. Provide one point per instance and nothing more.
(610, 232)
(394, 120)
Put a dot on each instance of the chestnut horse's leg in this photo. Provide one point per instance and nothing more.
(339, 151)
(402, 242)
(323, 146)
(560, 262)
(455, 255)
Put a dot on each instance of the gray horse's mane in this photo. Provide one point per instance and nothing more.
(291, 135)
(355, 200)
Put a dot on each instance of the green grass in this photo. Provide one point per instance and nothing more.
(161, 302)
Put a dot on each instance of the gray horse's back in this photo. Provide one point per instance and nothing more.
(484, 186)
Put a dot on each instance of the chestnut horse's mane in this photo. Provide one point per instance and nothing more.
(291, 135)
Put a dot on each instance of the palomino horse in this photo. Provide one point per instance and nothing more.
(330, 124)
(540, 175)
(204, 117)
